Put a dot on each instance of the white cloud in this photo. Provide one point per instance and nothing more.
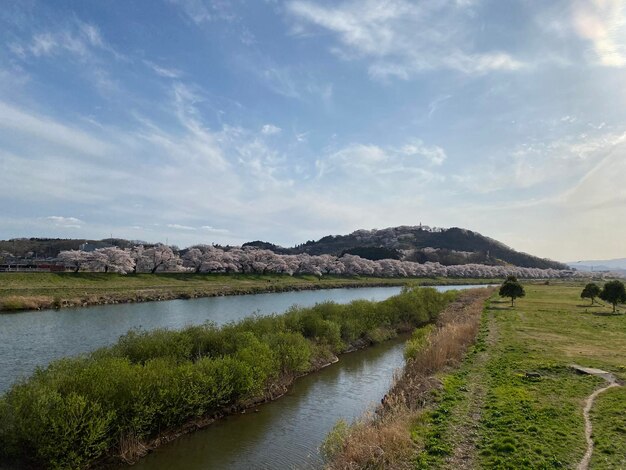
(65, 222)
(434, 154)
(180, 227)
(270, 129)
(396, 170)
(195, 10)
(402, 38)
(201, 11)
(603, 23)
(13, 119)
(554, 162)
(163, 71)
(77, 39)
(208, 228)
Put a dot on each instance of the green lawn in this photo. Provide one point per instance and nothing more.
(45, 290)
(489, 414)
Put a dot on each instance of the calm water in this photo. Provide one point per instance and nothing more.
(287, 433)
(31, 339)
(283, 434)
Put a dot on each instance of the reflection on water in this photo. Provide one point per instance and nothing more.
(31, 339)
(287, 433)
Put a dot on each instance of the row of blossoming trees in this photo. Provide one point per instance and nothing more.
(210, 259)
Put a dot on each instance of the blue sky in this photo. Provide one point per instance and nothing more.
(226, 121)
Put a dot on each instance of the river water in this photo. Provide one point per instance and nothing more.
(35, 338)
(287, 433)
(283, 434)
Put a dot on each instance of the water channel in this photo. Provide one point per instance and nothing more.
(283, 434)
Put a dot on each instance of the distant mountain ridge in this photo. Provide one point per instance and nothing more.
(419, 243)
(614, 265)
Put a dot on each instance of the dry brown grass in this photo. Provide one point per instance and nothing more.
(383, 440)
(14, 302)
(380, 442)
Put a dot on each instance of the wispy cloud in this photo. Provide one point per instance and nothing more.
(603, 23)
(200, 11)
(402, 38)
(435, 104)
(270, 129)
(556, 162)
(65, 222)
(292, 82)
(180, 227)
(367, 165)
(208, 228)
(163, 71)
(49, 130)
(76, 39)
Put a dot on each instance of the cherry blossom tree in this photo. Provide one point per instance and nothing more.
(158, 258)
(76, 259)
(112, 259)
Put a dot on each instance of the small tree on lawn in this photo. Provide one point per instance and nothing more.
(614, 293)
(512, 289)
(591, 291)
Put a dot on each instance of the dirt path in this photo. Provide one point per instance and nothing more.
(465, 434)
(610, 378)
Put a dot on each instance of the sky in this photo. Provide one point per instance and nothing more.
(214, 121)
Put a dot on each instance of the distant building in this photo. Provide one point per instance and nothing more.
(93, 246)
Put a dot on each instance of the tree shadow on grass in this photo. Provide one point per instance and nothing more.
(499, 308)
(607, 314)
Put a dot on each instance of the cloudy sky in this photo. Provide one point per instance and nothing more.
(228, 121)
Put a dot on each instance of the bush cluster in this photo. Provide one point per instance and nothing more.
(78, 410)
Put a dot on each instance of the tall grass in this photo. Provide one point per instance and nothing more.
(113, 401)
(383, 440)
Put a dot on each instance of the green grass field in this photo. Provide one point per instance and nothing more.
(46, 290)
(490, 414)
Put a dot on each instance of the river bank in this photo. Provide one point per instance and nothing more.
(384, 439)
(150, 383)
(39, 291)
(515, 400)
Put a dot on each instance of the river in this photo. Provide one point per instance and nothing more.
(283, 434)
(287, 433)
(35, 338)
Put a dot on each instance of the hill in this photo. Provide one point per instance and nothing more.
(50, 247)
(420, 243)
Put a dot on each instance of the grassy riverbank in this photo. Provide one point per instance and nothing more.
(30, 291)
(514, 402)
(121, 400)
(528, 421)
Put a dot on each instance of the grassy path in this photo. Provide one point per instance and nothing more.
(612, 382)
(467, 415)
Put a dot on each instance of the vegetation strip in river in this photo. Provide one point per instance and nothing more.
(120, 400)
(384, 439)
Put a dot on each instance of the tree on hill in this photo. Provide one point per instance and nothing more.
(614, 292)
(513, 289)
(591, 291)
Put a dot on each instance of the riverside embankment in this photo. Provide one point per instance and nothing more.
(169, 378)
(40, 291)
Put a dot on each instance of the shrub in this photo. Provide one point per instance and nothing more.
(75, 410)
